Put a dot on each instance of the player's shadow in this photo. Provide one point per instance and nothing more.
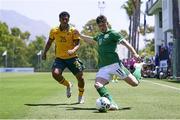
(79, 108)
(174, 81)
(125, 108)
(47, 104)
(85, 108)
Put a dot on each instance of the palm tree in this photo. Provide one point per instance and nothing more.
(136, 22)
(132, 8)
(128, 7)
(176, 32)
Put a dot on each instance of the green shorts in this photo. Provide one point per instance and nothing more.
(73, 64)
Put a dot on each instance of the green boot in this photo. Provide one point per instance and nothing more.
(137, 72)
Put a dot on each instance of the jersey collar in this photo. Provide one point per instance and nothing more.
(68, 27)
(106, 31)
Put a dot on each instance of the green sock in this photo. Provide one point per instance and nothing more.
(104, 93)
(137, 73)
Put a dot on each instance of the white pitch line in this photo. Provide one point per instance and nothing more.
(175, 88)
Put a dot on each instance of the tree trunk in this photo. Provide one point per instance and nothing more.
(136, 23)
(176, 33)
(130, 33)
(134, 29)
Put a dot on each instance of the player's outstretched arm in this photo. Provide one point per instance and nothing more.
(130, 48)
(87, 39)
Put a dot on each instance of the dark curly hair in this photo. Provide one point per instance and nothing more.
(64, 13)
(101, 19)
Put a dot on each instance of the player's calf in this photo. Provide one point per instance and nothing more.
(80, 96)
(68, 90)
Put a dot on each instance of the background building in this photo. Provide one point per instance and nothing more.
(163, 16)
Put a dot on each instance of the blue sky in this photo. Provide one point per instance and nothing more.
(81, 11)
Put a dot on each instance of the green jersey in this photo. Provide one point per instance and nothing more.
(107, 44)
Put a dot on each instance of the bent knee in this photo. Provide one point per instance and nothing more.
(98, 85)
(56, 71)
(57, 74)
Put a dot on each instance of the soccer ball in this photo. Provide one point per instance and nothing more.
(161, 75)
(102, 104)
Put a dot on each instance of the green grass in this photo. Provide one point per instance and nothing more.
(38, 96)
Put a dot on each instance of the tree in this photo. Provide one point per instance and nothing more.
(149, 29)
(3, 29)
(125, 34)
(25, 36)
(128, 7)
(176, 33)
(4, 32)
(132, 8)
(19, 53)
(16, 48)
(149, 50)
(136, 23)
(88, 53)
(15, 31)
(33, 48)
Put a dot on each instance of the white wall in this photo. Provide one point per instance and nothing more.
(169, 37)
(158, 35)
(167, 15)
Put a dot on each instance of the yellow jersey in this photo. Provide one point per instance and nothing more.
(64, 41)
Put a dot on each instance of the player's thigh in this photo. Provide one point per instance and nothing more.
(75, 66)
(103, 74)
(119, 70)
(100, 82)
(102, 78)
(58, 66)
(124, 74)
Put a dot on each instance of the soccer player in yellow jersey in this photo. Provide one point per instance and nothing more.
(66, 44)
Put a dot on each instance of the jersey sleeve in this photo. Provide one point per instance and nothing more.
(118, 37)
(74, 33)
(95, 38)
(51, 34)
(76, 36)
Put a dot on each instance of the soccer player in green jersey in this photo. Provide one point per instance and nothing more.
(109, 62)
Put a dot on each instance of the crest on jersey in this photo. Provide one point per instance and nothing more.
(106, 35)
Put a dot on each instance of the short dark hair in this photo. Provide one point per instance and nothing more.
(64, 13)
(101, 19)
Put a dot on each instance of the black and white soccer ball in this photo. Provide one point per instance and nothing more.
(102, 104)
(161, 75)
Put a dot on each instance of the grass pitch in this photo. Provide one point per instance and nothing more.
(38, 96)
